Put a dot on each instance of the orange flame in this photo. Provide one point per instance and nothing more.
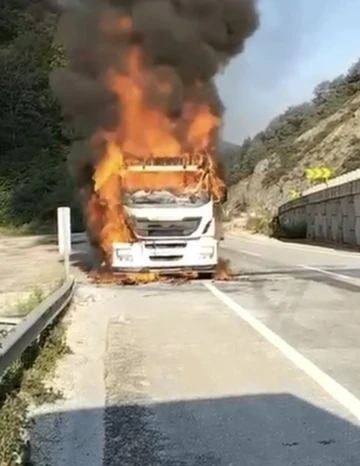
(145, 130)
(223, 270)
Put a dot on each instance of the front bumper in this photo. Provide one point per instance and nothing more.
(173, 255)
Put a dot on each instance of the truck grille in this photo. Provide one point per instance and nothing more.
(185, 227)
(171, 245)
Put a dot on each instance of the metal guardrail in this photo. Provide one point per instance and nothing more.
(333, 189)
(31, 326)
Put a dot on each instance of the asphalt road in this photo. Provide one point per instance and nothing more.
(260, 371)
(309, 296)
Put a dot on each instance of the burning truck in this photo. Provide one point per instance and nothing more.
(175, 223)
(138, 87)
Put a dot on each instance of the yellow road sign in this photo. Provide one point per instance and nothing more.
(318, 173)
(327, 173)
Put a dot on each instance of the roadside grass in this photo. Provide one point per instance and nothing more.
(23, 307)
(263, 222)
(12, 230)
(24, 385)
(27, 229)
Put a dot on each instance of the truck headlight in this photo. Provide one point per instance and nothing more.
(123, 258)
(206, 253)
(123, 255)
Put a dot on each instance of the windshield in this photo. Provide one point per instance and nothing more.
(165, 198)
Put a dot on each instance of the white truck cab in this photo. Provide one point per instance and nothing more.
(174, 233)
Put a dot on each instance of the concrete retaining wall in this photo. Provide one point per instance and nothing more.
(329, 213)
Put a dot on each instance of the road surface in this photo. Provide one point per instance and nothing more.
(260, 371)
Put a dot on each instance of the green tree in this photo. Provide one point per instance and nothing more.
(32, 137)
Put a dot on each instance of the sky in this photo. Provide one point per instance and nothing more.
(299, 43)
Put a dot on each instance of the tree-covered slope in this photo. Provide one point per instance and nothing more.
(33, 141)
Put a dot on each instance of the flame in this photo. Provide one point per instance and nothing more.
(223, 270)
(107, 278)
(145, 130)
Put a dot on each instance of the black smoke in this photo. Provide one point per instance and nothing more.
(193, 39)
(183, 41)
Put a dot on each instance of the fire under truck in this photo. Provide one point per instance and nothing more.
(174, 233)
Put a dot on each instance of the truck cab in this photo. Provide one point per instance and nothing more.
(173, 232)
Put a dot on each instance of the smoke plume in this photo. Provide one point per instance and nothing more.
(183, 44)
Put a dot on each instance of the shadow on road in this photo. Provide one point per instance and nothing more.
(46, 240)
(259, 430)
(82, 260)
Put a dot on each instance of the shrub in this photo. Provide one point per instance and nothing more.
(260, 222)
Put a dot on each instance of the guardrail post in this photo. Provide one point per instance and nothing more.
(64, 236)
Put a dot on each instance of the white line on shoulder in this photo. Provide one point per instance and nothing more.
(333, 388)
(296, 246)
(332, 274)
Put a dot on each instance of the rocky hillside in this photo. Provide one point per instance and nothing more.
(324, 132)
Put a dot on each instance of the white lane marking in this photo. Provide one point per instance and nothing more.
(333, 388)
(340, 276)
(255, 254)
(300, 247)
(332, 274)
